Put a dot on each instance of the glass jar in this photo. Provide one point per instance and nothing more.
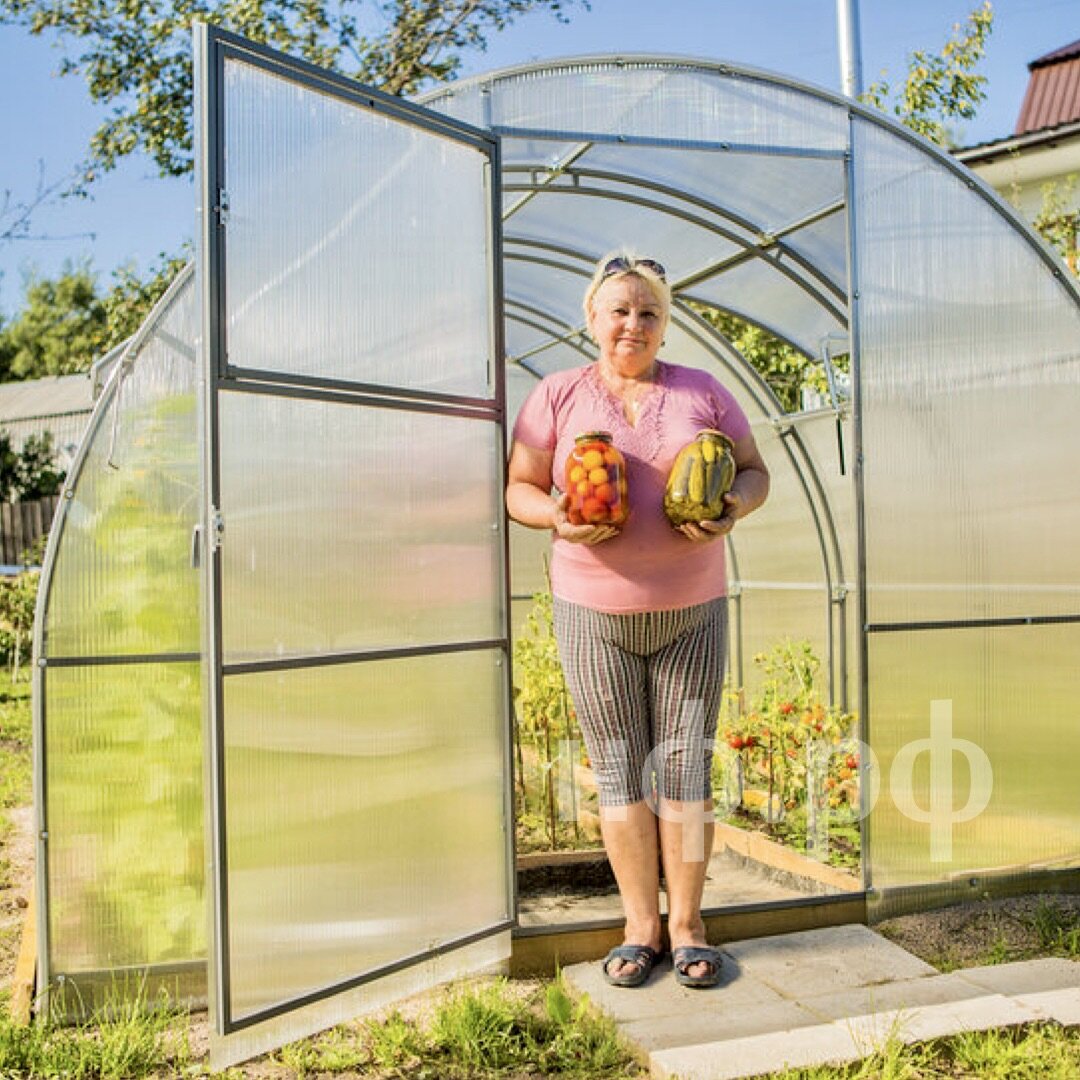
(702, 475)
(595, 480)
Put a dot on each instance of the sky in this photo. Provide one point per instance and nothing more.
(133, 215)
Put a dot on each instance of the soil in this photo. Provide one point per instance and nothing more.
(16, 876)
(981, 932)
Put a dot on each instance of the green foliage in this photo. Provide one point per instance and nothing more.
(29, 473)
(132, 296)
(786, 370)
(15, 728)
(1057, 929)
(136, 57)
(940, 88)
(546, 733)
(483, 1030)
(18, 595)
(66, 323)
(1058, 221)
(789, 761)
(135, 1040)
(61, 328)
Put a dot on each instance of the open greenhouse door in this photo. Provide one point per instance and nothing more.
(354, 550)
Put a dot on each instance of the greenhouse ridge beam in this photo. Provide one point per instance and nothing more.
(693, 219)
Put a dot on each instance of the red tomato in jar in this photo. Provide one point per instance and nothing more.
(594, 511)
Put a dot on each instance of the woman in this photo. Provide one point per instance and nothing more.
(640, 610)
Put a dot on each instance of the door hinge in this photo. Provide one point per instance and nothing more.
(222, 208)
(217, 529)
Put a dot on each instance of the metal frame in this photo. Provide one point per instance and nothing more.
(214, 50)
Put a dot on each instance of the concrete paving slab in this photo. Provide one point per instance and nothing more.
(662, 996)
(825, 1044)
(700, 1024)
(937, 1021)
(1025, 976)
(835, 1043)
(830, 959)
(1061, 1006)
(906, 994)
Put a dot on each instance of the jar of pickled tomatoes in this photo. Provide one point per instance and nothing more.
(596, 481)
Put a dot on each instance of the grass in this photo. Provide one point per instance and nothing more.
(136, 1040)
(1044, 1052)
(486, 1030)
(15, 728)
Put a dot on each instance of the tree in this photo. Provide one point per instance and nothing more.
(131, 297)
(136, 56)
(1058, 222)
(30, 473)
(61, 328)
(66, 323)
(944, 87)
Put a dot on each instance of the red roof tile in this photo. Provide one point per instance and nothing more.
(1064, 53)
(1053, 91)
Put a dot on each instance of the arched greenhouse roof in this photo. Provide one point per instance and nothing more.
(917, 533)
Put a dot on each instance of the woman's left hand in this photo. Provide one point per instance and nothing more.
(705, 531)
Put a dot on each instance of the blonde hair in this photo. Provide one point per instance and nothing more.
(660, 289)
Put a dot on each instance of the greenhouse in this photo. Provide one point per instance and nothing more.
(274, 700)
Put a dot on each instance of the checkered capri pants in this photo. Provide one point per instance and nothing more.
(646, 687)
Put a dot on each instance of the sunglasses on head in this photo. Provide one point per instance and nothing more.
(622, 265)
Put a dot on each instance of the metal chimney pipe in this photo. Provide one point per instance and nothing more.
(847, 31)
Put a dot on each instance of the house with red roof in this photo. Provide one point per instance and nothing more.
(1044, 150)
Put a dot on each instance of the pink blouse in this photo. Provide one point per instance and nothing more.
(649, 566)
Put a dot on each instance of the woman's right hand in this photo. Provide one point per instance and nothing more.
(579, 534)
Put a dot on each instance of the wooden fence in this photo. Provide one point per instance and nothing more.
(23, 523)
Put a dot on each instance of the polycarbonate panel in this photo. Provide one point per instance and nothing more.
(669, 100)
(791, 307)
(767, 192)
(594, 219)
(364, 818)
(122, 581)
(551, 289)
(123, 780)
(977, 737)
(355, 527)
(970, 375)
(824, 246)
(358, 246)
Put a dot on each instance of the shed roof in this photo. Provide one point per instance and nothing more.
(1053, 91)
(57, 395)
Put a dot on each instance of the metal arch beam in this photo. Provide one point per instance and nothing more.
(715, 70)
(553, 174)
(693, 219)
(580, 329)
(765, 239)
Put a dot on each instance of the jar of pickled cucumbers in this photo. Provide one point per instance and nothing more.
(595, 480)
(702, 475)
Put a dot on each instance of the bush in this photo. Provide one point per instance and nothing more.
(18, 597)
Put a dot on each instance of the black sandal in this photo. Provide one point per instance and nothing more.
(642, 955)
(686, 956)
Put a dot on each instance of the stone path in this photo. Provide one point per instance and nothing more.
(821, 997)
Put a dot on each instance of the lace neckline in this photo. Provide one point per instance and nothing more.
(642, 439)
